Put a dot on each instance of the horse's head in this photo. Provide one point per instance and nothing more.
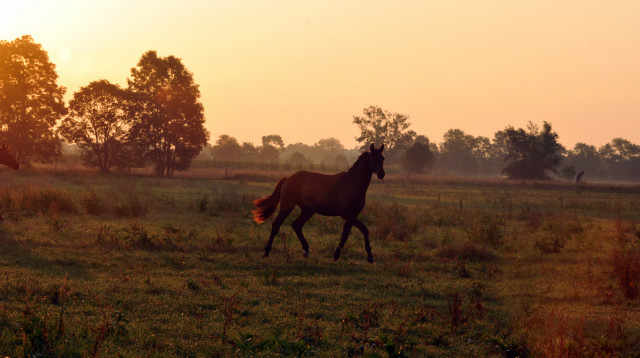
(7, 158)
(376, 160)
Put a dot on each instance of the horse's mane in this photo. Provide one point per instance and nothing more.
(358, 162)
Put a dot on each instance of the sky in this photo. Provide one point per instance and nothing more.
(303, 69)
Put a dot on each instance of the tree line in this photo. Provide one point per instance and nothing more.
(158, 119)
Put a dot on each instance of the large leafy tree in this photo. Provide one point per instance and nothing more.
(99, 124)
(531, 153)
(462, 153)
(379, 126)
(30, 100)
(227, 149)
(419, 156)
(169, 126)
(271, 146)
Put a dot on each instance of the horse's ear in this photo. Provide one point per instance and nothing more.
(372, 147)
(381, 147)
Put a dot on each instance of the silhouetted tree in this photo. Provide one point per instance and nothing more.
(271, 147)
(329, 145)
(341, 162)
(586, 157)
(568, 172)
(531, 153)
(620, 160)
(227, 148)
(30, 101)
(380, 126)
(99, 122)
(298, 160)
(419, 156)
(169, 126)
(249, 152)
(461, 153)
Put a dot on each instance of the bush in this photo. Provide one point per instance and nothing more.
(132, 206)
(626, 270)
(393, 222)
(31, 200)
(487, 229)
(92, 203)
(466, 251)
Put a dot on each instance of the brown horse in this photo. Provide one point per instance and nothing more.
(342, 194)
(6, 157)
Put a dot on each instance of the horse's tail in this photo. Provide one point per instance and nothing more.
(266, 206)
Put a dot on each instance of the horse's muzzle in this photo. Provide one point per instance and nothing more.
(380, 174)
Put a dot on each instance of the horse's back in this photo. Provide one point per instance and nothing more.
(309, 189)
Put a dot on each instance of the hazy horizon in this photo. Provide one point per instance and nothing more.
(302, 70)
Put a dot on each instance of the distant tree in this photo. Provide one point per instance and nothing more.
(329, 145)
(341, 162)
(30, 101)
(249, 152)
(99, 124)
(568, 172)
(461, 153)
(227, 148)
(586, 157)
(379, 126)
(531, 153)
(298, 160)
(169, 125)
(418, 157)
(273, 140)
(620, 160)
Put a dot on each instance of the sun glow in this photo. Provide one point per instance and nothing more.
(303, 69)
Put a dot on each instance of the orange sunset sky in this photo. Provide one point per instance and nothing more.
(302, 69)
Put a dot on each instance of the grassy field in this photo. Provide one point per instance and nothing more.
(142, 266)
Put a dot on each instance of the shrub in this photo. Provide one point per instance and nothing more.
(92, 203)
(486, 229)
(626, 270)
(466, 251)
(132, 206)
(393, 222)
(32, 200)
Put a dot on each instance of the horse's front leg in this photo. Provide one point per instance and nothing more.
(365, 233)
(345, 234)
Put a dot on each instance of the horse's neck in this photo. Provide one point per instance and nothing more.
(360, 177)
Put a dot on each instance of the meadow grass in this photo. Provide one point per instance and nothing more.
(134, 265)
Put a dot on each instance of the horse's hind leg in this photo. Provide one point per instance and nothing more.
(297, 227)
(345, 234)
(284, 212)
(365, 233)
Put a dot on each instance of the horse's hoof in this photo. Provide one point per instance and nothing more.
(305, 254)
(336, 255)
(266, 254)
(370, 259)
